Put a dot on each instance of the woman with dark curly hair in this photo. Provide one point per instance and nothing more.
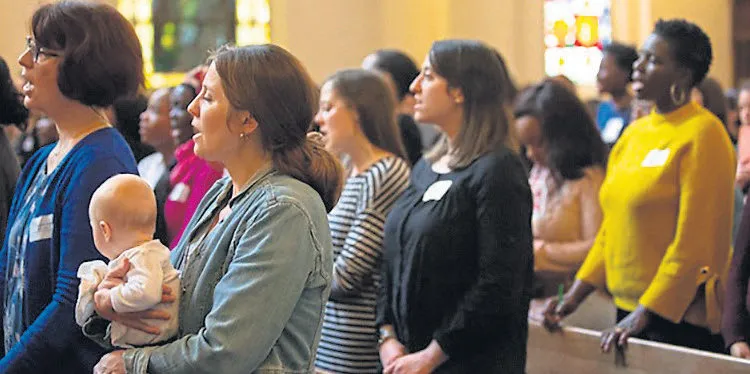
(667, 199)
(568, 156)
(613, 78)
(12, 112)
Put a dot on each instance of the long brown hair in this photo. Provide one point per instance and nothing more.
(481, 75)
(369, 96)
(275, 88)
(571, 139)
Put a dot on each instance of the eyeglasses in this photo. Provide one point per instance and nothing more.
(37, 50)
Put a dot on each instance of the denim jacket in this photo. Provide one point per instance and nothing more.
(253, 293)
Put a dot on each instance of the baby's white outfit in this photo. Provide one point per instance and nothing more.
(150, 268)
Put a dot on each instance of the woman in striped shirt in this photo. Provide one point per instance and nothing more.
(357, 118)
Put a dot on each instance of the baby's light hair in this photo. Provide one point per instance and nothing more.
(126, 202)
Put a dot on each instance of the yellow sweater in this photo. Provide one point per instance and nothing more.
(667, 201)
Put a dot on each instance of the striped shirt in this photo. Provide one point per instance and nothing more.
(348, 342)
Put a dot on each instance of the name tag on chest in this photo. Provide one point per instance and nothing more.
(179, 193)
(612, 129)
(436, 191)
(41, 228)
(655, 158)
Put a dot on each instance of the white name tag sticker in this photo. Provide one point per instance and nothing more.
(436, 191)
(655, 158)
(41, 228)
(179, 193)
(612, 129)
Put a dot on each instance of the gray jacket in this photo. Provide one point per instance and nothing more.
(253, 293)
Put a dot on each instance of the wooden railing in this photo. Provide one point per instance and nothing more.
(576, 351)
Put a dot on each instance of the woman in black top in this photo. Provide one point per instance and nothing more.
(12, 112)
(458, 245)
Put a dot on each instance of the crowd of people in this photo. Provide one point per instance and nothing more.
(396, 218)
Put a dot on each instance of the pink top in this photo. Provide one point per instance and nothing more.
(565, 220)
(190, 179)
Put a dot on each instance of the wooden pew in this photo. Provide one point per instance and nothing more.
(597, 312)
(576, 351)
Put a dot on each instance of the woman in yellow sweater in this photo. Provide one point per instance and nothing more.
(667, 201)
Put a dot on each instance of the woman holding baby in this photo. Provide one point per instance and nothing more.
(256, 258)
(79, 58)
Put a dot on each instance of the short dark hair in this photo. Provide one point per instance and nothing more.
(101, 55)
(12, 110)
(690, 46)
(713, 98)
(731, 95)
(128, 112)
(189, 87)
(624, 56)
(399, 66)
(572, 140)
(369, 96)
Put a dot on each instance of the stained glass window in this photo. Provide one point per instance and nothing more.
(176, 35)
(575, 31)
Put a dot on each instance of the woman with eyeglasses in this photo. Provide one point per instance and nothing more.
(80, 58)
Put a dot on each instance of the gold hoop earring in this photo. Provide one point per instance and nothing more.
(673, 95)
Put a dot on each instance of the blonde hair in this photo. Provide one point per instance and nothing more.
(125, 201)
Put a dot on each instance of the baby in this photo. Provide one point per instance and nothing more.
(123, 218)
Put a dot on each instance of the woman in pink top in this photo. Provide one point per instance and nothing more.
(191, 176)
(568, 157)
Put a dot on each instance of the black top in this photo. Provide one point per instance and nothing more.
(411, 137)
(458, 267)
(735, 321)
(161, 192)
(9, 170)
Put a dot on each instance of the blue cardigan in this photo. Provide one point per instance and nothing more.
(52, 342)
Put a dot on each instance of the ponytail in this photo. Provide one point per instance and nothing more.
(275, 88)
(312, 164)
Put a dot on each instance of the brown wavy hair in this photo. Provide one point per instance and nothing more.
(277, 90)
